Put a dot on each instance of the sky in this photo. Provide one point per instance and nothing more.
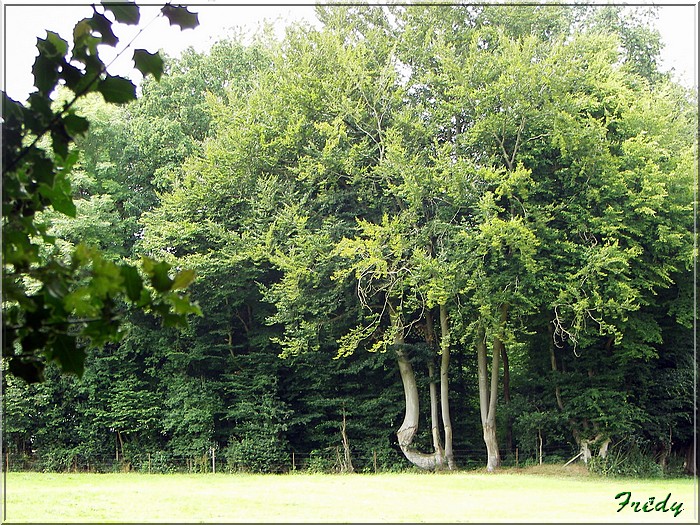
(25, 20)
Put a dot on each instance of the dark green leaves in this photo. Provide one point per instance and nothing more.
(158, 273)
(45, 71)
(133, 284)
(75, 125)
(65, 352)
(52, 50)
(31, 371)
(78, 303)
(124, 12)
(178, 15)
(147, 63)
(117, 90)
(103, 26)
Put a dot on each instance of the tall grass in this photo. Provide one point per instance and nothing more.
(545, 495)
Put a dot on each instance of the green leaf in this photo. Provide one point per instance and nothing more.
(124, 12)
(66, 353)
(45, 73)
(183, 279)
(59, 195)
(84, 43)
(54, 45)
(147, 63)
(42, 170)
(158, 272)
(183, 306)
(103, 26)
(180, 16)
(132, 282)
(71, 74)
(60, 139)
(117, 90)
(75, 125)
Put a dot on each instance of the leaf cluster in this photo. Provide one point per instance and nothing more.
(50, 305)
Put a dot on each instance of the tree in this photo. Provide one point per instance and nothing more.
(51, 306)
(506, 97)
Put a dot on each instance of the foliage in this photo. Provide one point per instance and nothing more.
(523, 169)
(630, 462)
(52, 307)
(258, 454)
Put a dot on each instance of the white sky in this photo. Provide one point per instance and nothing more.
(25, 20)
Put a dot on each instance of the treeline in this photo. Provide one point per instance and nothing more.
(479, 218)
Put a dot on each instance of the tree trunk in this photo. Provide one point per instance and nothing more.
(506, 398)
(445, 386)
(691, 462)
(603, 450)
(407, 432)
(493, 457)
(488, 397)
(434, 417)
(553, 361)
(434, 424)
(409, 427)
(347, 464)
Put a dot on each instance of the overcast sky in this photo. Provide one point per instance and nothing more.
(25, 20)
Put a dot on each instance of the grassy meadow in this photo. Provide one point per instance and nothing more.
(543, 495)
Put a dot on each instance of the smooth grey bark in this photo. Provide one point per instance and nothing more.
(434, 424)
(347, 464)
(445, 386)
(488, 393)
(506, 398)
(434, 411)
(408, 429)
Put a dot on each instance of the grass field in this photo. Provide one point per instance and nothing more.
(543, 495)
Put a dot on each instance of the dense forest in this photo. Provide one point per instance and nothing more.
(431, 236)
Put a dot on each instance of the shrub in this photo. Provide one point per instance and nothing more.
(258, 454)
(631, 462)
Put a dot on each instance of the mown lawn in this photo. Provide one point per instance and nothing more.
(535, 495)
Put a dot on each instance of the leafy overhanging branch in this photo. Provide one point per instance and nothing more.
(51, 308)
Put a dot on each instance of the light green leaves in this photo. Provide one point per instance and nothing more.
(183, 279)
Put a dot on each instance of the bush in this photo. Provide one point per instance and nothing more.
(322, 461)
(632, 462)
(258, 454)
(57, 460)
(156, 463)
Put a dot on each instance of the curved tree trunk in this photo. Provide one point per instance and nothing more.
(409, 427)
(445, 386)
